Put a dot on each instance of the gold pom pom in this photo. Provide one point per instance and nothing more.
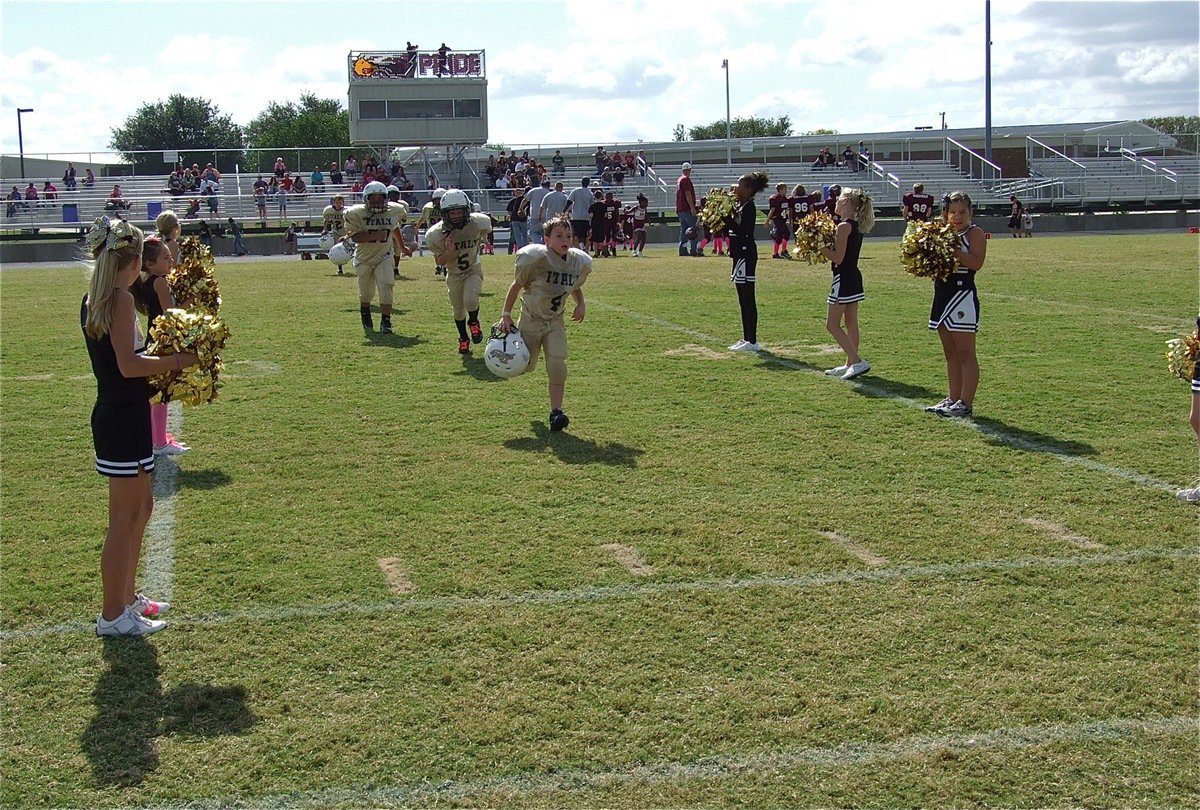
(1182, 355)
(719, 211)
(927, 249)
(814, 232)
(199, 333)
(192, 282)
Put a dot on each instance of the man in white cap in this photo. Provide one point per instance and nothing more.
(688, 210)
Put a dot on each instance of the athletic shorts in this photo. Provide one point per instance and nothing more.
(847, 287)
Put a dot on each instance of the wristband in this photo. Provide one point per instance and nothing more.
(507, 314)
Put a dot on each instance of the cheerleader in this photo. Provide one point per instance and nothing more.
(152, 295)
(955, 311)
(744, 253)
(1192, 495)
(856, 213)
(121, 421)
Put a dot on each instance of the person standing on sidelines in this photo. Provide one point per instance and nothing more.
(518, 220)
(553, 204)
(1192, 494)
(955, 311)
(744, 253)
(333, 223)
(579, 201)
(916, 205)
(121, 421)
(778, 210)
(239, 241)
(533, 204)
(371, 225)
(688, 210)
(1014, 220)
(856, 214)
(455, 243)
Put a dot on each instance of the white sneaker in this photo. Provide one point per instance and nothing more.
(941, 406)
(1189, 495)
(737, 347)
(128, 624)
(171, 449)
(856, 370)
(743, 346)
(836, 371)
(145, 606)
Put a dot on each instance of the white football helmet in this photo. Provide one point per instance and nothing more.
(339, 254)
(456, 208)
(506, 355)
(325, 242)
(438, 193)
(393, 193)
(371, 190)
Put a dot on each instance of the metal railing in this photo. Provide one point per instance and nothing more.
(971, 163)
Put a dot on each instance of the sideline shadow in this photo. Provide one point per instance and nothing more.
(203, 479)
(1002, 434)
(571, 449)
(769, 361)
(874, 387)
(129, 699)
(393, 341)
(473, 366)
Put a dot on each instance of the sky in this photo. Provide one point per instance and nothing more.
(559, 72)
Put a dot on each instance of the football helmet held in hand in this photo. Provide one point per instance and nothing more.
(506, 355)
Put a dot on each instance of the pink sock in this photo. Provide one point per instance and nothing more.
(158, 424)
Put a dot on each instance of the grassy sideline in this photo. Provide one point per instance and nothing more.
(848, 601)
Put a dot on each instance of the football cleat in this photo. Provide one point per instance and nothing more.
(476, 333)
(506, 355)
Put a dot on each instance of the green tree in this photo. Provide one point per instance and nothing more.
(1185, 128)
(318, 126)
(739, 127)
(194, 127)
(820, 131)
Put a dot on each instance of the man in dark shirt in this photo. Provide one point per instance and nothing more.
(687, 209)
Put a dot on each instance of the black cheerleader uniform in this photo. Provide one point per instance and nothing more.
(742, 249)
(955, 301)
(847, 278)
(121, 415)
(1196, 368)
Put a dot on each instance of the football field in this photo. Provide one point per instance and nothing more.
(734, 581)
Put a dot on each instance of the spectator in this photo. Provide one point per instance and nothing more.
(518, 216)
(206, 234)
(619, 175)
(260, 202)
(351, 167)
(298, 188)
(280, 168)
(532, 203)
(239, 243)
(558, 162)
(90, 179)
(260, 185)
(285, 184)
(553, 204)
(317, 179)
(14, 201)
(685, 206)
(193, 209)
(191, 180)
(281, 199)
(601, 157)
(31, 192)
(69, 177)
(864, 157)
(849, 159)
(643, 163)
(213, 203)
(273, 186)
(175, 184)
(49, 191)
(335, 174)
(630, 162)
(211, 177)
(578, 202)
(289, 238)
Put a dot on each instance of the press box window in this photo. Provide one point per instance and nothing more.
(372, 109)
(468, 108)
(423, 108)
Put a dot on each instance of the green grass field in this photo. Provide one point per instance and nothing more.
(733, 582)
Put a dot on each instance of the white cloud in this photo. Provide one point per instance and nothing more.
(1156, 66)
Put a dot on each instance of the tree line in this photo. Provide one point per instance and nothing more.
(195, 127)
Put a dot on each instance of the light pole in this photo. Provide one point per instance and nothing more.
(728, 131)
(21, 138)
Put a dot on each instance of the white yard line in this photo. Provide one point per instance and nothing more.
(934, 572)
(1063, 533)
(856, 550)
(158, 571)
(880, 393)
(512, 787)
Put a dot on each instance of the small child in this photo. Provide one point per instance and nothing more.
(152, 295)
(955, 311)
(456, 242)
(545, 276)
(598, 212)
(744, 253)
(857, 216)
(1027, 223)
(637, 218)
(778, 209)
(121, 421)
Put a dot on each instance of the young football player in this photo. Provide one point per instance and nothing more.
(777, 217)
(431, 214)
(917, 205)
(955, 311)
(333, 220)
(545, 276)
(373, 225)
(455, 243)
(856, 213)
(401, 209)
(598, 213)
(637, 219)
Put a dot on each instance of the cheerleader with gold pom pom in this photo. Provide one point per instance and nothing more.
(1183, 361)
